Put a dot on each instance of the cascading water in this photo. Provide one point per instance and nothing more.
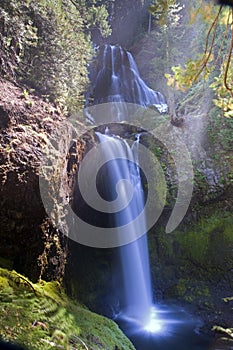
(118, 81)
(135, 270)
(122, 82)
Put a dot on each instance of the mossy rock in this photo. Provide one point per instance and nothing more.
(208, 244)
(41, 316)
(189, 263)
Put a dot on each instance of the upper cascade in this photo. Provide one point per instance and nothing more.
(118, 80)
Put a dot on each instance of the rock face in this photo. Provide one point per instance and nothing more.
(27, 235)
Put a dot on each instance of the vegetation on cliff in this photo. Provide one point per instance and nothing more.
(47, 45)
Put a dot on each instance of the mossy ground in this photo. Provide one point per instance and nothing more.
(41, 316)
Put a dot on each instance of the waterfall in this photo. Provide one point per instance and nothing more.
(117, 83)
(136, 298)
(118, 80)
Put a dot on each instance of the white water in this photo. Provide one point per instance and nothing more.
(136, 295)
(118, 80)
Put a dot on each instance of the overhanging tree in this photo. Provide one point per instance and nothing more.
(216, 58)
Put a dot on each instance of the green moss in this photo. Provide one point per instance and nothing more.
(188, 263)
(208, 243)
(191, 291)
(181, 287)
(194, 245)
(197, 292)
(228, 233)
(41, 316)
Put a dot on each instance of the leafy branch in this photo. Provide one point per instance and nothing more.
(230, 89)
(194, 70)
(206, 56)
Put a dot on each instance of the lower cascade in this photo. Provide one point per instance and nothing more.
(136, 298)
(149, 326)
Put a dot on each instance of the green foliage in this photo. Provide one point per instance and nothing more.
(215, 60)
(220, 131)
(167, 16)
(224, 97)
(168, 36)
(47, 44)
(183, 77)
(193, 292)
(98, 18)
(166, 12)
(41, 317)
(94, 14)
(17, 34)
(58, 65)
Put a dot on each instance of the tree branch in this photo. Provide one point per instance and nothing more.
(227, 86)
(213, 25)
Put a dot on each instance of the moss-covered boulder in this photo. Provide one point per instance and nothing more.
(41, 316)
